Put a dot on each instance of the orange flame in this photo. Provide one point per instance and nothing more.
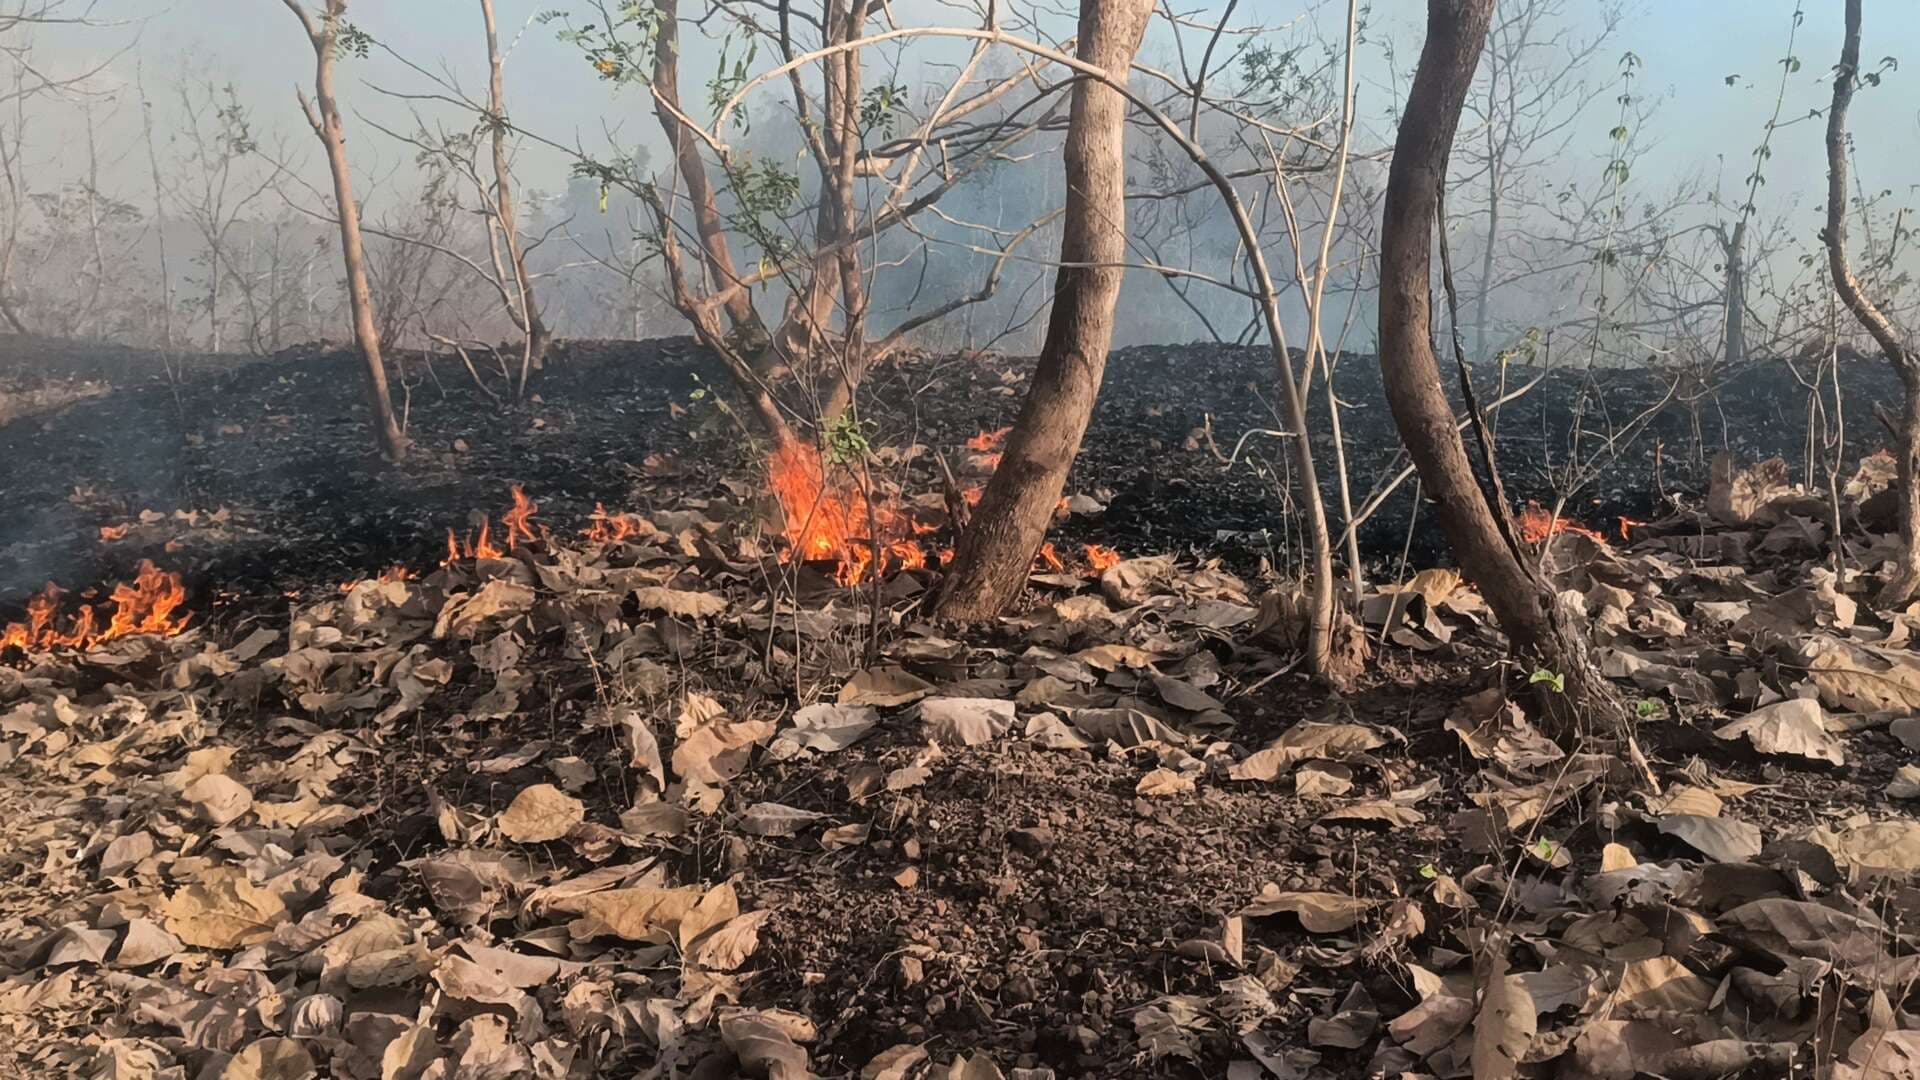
(1099, 558)
(1537, 524)
(516, 522)
(829, 520)
(517, 519)
(988, 441)
(1627, 525)
(110, 533)
(1048, 557)
(146, 605)
(605, 528)
(986, 447)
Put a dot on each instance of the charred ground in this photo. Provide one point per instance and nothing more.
(277, 448)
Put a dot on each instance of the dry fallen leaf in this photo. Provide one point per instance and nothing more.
(763, 1043)
(1505, 1026)
(1322, 779)
(223, 910)
(827, 727)
(884, 687)
(1319, 912)
(969, 721)
(541, 813)
(1376, 810)
(727, 946)
(1720, 839)
(636, 914)
(894, 1063)
(269, 1059)
(1114, 657)
(718, 751)
(1164, 782)
(1883, 849)
(1787, 727)
(218, 799)
(774, 819)
(687, 605)
(1303, 741)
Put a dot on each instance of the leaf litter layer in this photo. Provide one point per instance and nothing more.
(620, 809)
(625, 809)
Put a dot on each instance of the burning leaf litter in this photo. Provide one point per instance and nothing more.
(1080, 844)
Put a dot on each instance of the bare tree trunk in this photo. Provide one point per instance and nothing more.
(1905, 581)
(1479, 530)
(323, 113)
(1735, 246)
(1485, 299)
(996, 551)
(693, 171)
(159, 218)
(530, 323)
(90, 314)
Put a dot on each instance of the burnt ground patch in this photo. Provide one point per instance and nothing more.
(280, 445)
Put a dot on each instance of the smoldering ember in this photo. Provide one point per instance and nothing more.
(946, 541)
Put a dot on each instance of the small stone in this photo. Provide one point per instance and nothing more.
(1031, 841)
(1084, 1039)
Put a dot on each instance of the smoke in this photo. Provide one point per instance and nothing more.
(165, 192)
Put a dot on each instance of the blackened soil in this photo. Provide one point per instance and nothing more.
(282, 446)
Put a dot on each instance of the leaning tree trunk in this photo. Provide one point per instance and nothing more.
(996, 551)
(538, 337)
(712, 231)
(323, 113)
(1486, 547)
(1904, 583)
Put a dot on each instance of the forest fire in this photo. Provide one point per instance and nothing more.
(605, 528)
(1049, 558)
(987, 445)
(517, 526)
(1627, 525)
(1099, 558)
(827, 520)
(145, 605)
(111, 533)
(1538, 523)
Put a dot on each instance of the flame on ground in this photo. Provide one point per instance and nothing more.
(605, 528)
(828, 519)
(516, 524)
(1538, 523)
(1049, 558)
(988, 441)
(1099, 558)
(987, 446)
(110, 533)
(517, 520)
(1627, 525)
(145, 605)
